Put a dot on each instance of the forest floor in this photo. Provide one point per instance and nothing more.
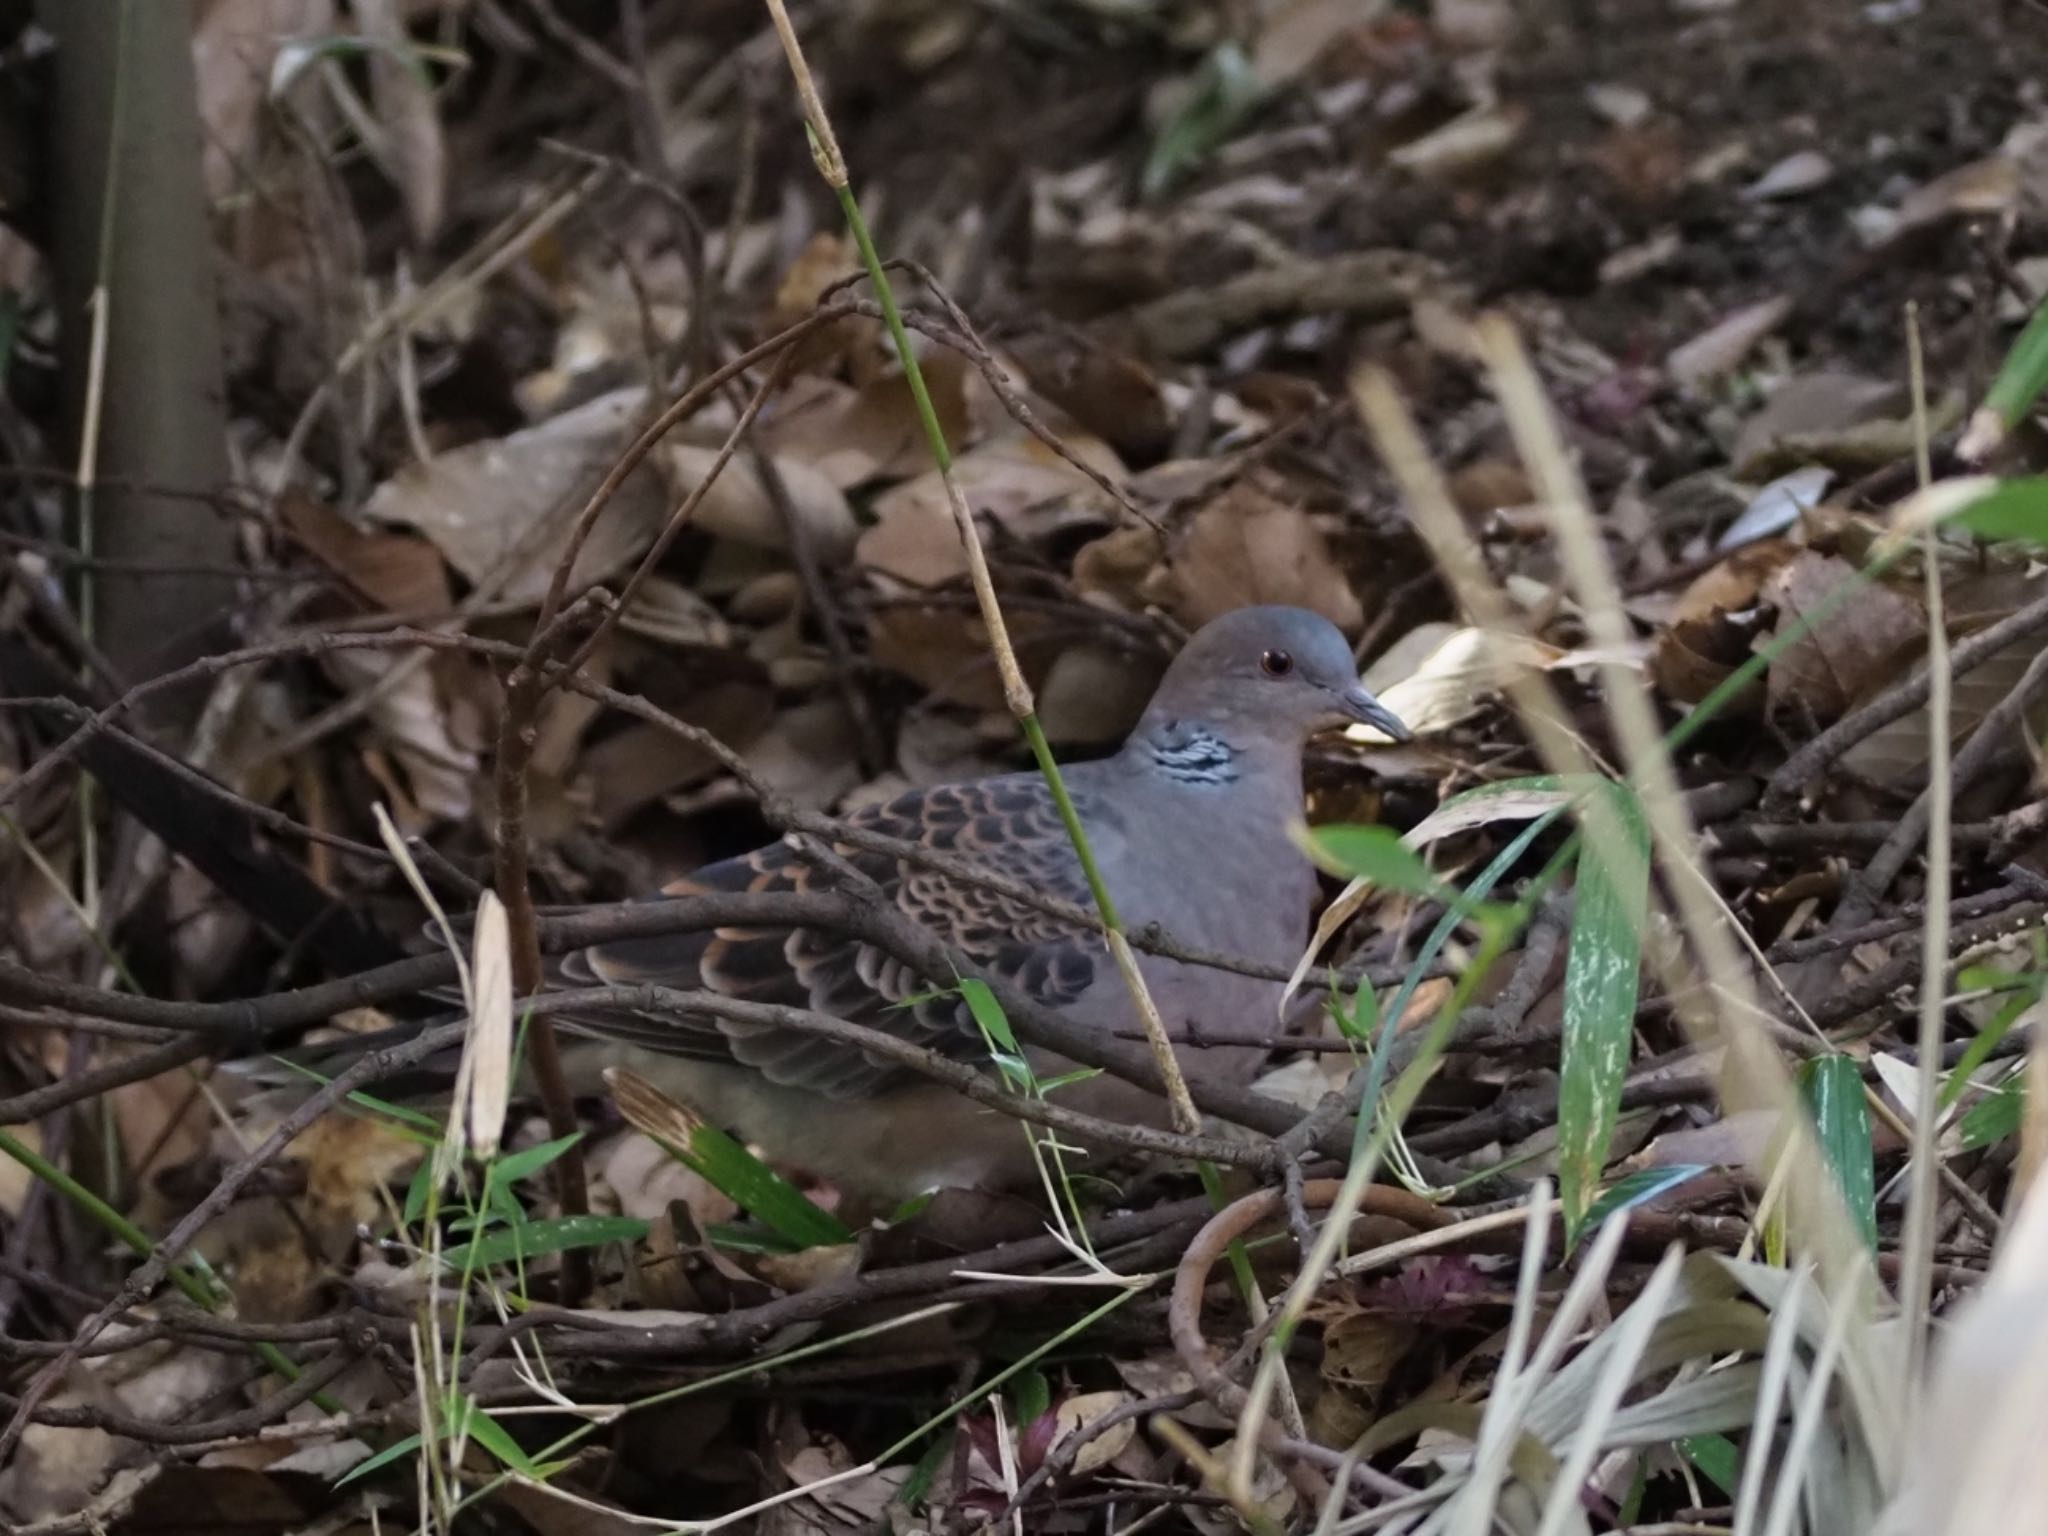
(1155, 255)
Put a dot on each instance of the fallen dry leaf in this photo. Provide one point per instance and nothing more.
(1440, 674)
(485, 504)
(739, 506)
(1723, 346)
(1074, 1414)
(1246, 547)
(414, 153)
(398, 572)
(1821, 674)
(234, 44)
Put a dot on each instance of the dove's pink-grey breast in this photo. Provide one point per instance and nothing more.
(1188, 823)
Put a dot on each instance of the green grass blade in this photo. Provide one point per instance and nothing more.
(2017, 510)
(1467, 905)
(1995, 1116)
(1225, 95)
(1602, 979)
(507, 1171)
(1716, 1459)
(1832, 1086)
(1372, 853)
(554, 1234)
(760, 1191)
(383, 1458)
(1988, 1039)
(2024, 374)
(494, 1437)
(1639, 1188)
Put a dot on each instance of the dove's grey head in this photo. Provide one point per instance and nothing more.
(1268, 674)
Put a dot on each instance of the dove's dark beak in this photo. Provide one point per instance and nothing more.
(1367, 710)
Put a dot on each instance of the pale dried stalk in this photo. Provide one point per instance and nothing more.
(1016, 691)
(1754, 1074)
(1916, 1271)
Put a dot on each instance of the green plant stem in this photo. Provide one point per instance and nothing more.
(204, 1290)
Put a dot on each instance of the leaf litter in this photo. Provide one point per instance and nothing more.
(1178, 233)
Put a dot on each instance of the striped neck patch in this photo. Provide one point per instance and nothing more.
(1193, 754)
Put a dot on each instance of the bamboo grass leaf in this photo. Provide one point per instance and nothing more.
(1602, 980)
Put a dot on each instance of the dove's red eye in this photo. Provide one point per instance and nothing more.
(1276, 663)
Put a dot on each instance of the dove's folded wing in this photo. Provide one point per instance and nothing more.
(1006, 824)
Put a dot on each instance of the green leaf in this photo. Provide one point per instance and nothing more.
(1995, 1116)
(1716, 1458)
(915, 1206)
(411, 1123)
(1361, 1021)
(995, 1028)
(2017, 509)
(2023, 375)
(1833, 1088)
(507, 1171)
(1372, 853)
(494, 1437)
(383, 1458)
(556, 1234)
(736, 1237)
(759, 1190)
(1225, 94)
(1030, 1396)
(1639, 1188)
(1602, 980)
(988, 1013)
(1079, 1075)
(1468, 901)
(419, 1191)
(917, 1488)
(1987, 1040)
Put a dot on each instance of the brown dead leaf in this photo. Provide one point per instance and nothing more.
(1987, 188)
(810, 1268)
(401, 574)
(1723, 346)
(553, 1508)
(1740, 1140)
(809, 754)
(826, 259)
(1361, 1349)
(234, 45)
(1108, 392)
(945, 650)
(1015, 481)
(1895, 755)
(738, 506)
(56, 1469)
(1820, 675)
(1077, 1413)
(852, 436)
(1709, 630)
(1245, 547)
(417, 721)
(835, 1508)
(1471, 142)
(479, 503)
(1113, 568)
(414, 153)
(640, 763)
(669, 612)
(1822, 402)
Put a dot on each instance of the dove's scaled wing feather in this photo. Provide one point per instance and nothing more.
(1008, 824)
